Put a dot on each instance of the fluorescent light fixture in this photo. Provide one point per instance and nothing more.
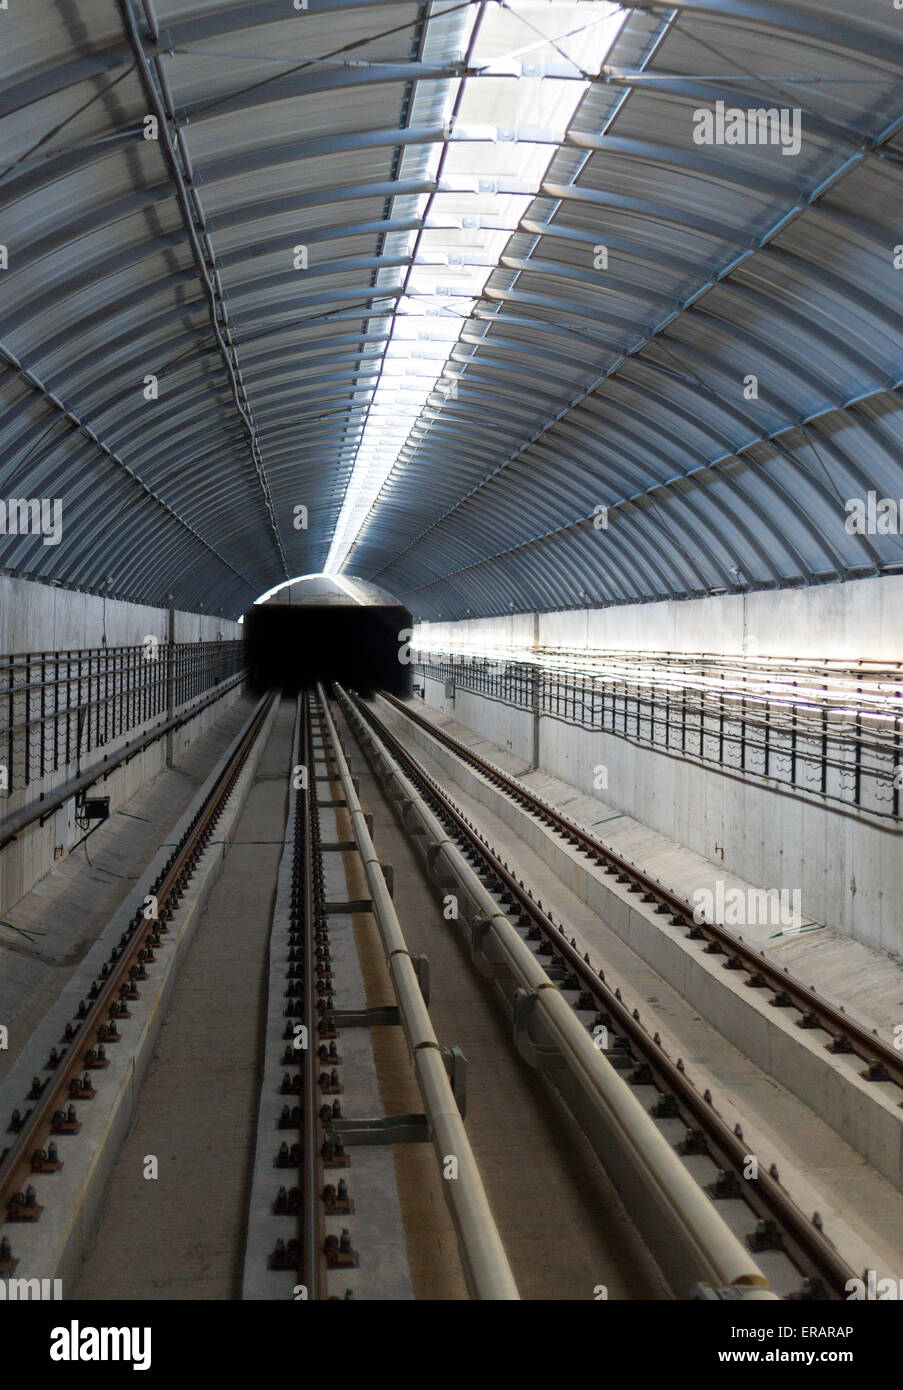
(506, 132)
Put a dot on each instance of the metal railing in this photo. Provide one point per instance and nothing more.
(57, 707)
(826, 728)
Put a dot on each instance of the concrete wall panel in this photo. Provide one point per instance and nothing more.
(859, 618)
(849, 870)
(39, 617)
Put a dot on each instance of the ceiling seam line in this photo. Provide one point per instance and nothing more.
(161, 108)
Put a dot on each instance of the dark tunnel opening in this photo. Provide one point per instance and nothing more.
(292, 646)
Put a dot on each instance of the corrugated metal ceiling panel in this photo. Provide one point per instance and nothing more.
(577, 386)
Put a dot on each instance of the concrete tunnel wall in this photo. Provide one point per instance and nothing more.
(38, 617)
(860, 618)
(849, 868)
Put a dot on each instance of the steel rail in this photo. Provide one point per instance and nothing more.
(804, 724)
(485, 1263)
(70, 656)
(681, 1225)
(790, 698)
(779, 666)
(847, 1036)
(702, 670)
(311, 1226)
(168, 889)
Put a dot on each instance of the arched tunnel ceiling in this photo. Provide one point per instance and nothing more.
(584, 379)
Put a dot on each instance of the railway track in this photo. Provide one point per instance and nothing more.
(48, 1120)
(320, 1063)
(883, 1063)
(778, 1226)
(321, 1131)
(748, 1232)
(308, 981)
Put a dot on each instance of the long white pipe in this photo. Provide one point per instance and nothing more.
(486, 1266)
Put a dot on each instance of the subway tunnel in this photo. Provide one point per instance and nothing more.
(451, 668)
(321, 629)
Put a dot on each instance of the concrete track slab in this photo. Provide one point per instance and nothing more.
(70, 906)
(862, 1212)
(192, 1218)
